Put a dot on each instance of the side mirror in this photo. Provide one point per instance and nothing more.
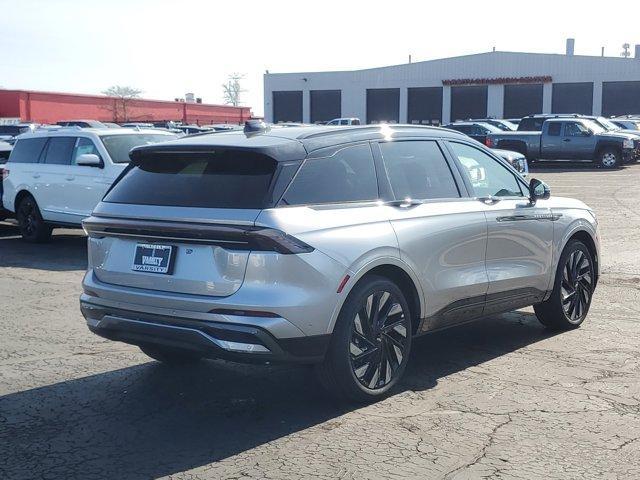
(538, 190)
(89, 160)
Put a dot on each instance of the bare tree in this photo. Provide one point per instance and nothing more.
(232, 89)
(122, 98)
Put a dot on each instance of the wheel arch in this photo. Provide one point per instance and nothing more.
(398, 272)
(19, 196)
(607, 145)
(585, 237)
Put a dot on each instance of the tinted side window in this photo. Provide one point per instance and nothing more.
(59, 150)
(27, 150)
(346, 176)
(418, 170)
(487, 176)
(573, 129)
(530, 124)
(554, 129)
(82, 147)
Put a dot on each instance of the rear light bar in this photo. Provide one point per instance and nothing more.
(232, 237)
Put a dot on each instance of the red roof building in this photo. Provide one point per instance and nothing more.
(50, 107)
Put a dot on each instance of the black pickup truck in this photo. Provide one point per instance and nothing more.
(571, 139)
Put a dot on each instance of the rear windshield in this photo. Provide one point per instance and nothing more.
(220, 179)
(119, 146)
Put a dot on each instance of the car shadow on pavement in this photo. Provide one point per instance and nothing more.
(149, 420)
(66, 251)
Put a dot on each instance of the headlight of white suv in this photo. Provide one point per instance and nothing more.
(627, 143)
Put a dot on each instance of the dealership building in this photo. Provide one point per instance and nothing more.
(493, 84)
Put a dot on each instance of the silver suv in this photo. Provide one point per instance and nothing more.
(328, 246)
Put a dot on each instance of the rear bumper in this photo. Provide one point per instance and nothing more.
(235, 342)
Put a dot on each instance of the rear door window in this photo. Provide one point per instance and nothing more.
(554, 129)
(60, 150)
(418, 170)
(217, 179)
(348, 175)
(531, 124)
(27, 150)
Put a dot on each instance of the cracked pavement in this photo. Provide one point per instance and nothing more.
(501, 398)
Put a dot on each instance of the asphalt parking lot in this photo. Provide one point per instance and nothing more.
(501, 398)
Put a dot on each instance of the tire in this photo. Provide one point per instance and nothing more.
(569, 303)
(32, 226)
(609, 158)
(368, 353)
(170, 355)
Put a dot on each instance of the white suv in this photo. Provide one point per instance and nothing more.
(56, 177)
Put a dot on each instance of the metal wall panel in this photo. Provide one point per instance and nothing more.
(287, 106)
(383, 105)
(468, 102)
(572, 98)
(620, 98)
(522, 100)
(325, 105)
(424, 105)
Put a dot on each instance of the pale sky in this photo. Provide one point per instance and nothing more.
(168, 48)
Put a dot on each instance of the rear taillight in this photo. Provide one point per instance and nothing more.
(488, 142)
(5, 173)
(233, 237)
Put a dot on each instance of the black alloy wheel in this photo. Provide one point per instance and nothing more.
(577, 286)
(378, 340)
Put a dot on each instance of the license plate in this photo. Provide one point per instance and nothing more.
(153, 258)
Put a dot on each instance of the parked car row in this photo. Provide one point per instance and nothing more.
(56, 177)
(574, 138)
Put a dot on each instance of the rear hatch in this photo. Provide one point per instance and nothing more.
(183, 222)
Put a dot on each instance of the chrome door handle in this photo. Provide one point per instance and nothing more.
(69, 178)
(566, 140)
(36, 175)
(489, 200)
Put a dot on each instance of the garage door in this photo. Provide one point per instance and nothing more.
(620, 98)
(468, 102)
(325, 105)
(287, 106)
(572, 98)
(522, 100)
(383, 105)
(425, 105)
